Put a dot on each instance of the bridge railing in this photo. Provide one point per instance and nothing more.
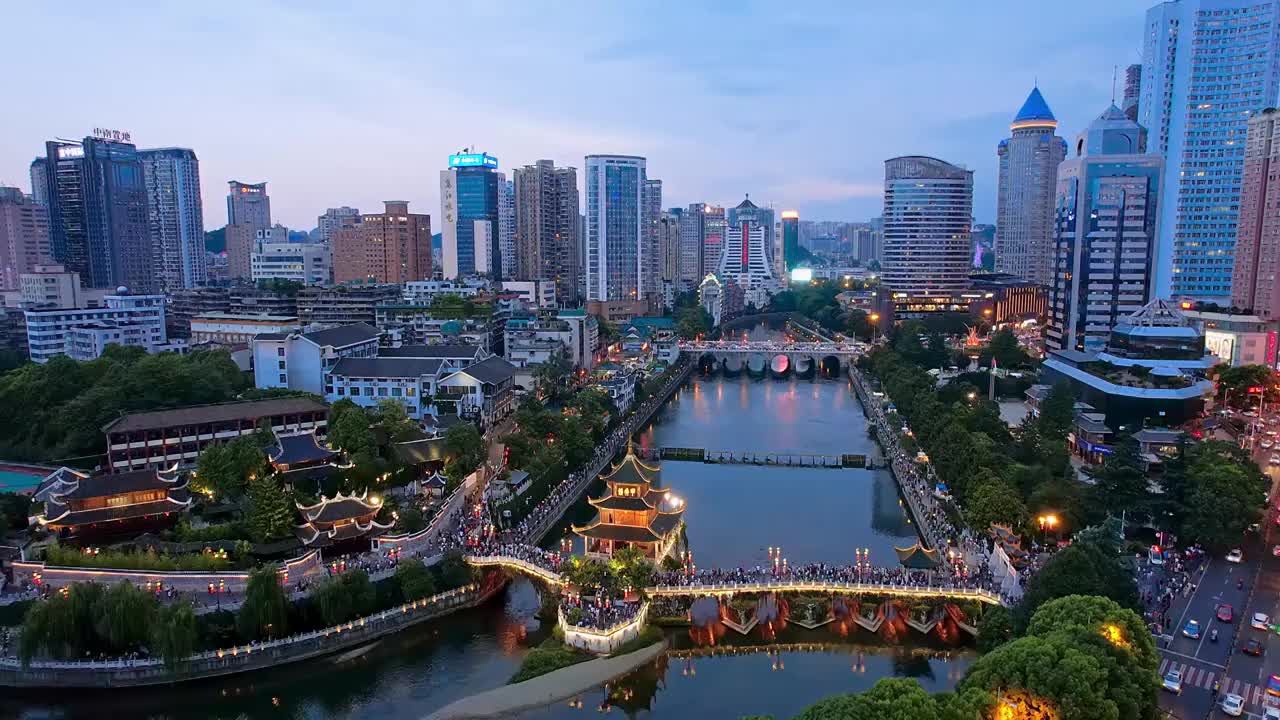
(516, 564)
(980, 595)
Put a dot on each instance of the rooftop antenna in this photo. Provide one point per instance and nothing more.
(1114, 68)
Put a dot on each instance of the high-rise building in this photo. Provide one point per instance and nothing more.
(1257, 261)
(1107, 211)
(714, 225)
(928, 205)
(669, 246)
(98, 224)
(24, 236)
(1132, 91)
(248, 211)
(393, 246)
(469, 206)
(690, 263)
(615, 186)
(309, 263)
(790, 238)
(1207, 65)
(1024, 201)
(507, 225)
(652, 216)
(745, 260)
(40, 181)
(546, 227)
(175, 216)
(748, 212)
(334, 218)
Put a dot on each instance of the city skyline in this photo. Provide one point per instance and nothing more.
(319, 148)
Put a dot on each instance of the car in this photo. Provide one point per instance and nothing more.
(1253, 647)
(1266, 444)
(1271, 712)
(1275, 460)
(1173, 681)
(1273, 686)
(1232, 705)
(1260, 621)
(1225, 613)
(1235, 556)
(1191, 629)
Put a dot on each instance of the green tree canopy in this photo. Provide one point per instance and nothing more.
(415, 581)
(391, 416)
(271, 512)
(1120, 483)
(1081, 569)
(901, 699)
(464, 451)
(995, 501)
(265, 610)
(349, 428)
(346, 596)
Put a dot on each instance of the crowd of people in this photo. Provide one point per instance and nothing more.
(1160, 583)
(955, 577)
(597, 614)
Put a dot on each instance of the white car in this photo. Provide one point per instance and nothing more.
(1266, 444)
(1232, 705)
(1173, 681)
(1275, 460)
(1271, 712)
(1260, 621)
(1235, 556)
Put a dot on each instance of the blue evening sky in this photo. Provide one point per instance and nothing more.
(796, 103)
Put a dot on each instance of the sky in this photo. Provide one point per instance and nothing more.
(796, 103)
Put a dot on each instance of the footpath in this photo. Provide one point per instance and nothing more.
(547, 689)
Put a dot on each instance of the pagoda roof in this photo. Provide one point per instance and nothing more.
(625, 533)
(917, 557)
(631, 471)
(666, 523)
(300, 447)
(314, 537)
(77, 486)
(339, 507)
(651, 499)
(58, 513)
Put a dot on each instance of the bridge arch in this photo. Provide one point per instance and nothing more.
(830, 366)
(780, 365)
(708, 363)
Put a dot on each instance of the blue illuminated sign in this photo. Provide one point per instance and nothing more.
(473, 160)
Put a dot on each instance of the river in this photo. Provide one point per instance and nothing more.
(735, 512)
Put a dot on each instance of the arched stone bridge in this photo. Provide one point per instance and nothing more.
(779, 585)
(778, 357)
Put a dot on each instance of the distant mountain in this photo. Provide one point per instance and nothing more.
(436, 241)
(215, 241)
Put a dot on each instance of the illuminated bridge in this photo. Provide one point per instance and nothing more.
(702, 589)
(777, 356)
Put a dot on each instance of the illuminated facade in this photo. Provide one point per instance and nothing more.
(1207, 66)
(633, 513)
(1107, 211)
(616, 234)
(1024, 203)
(928, 206)
(469, 198)
(248, 211)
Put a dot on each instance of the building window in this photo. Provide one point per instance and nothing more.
(342, 391)
(395, 392)
(382, 392)
(284, 378)
(355, 392)
(280, 364)
(280, 352)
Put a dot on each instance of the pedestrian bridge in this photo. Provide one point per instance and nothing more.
(702, 589)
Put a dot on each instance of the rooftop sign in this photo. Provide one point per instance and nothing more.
(473, 160)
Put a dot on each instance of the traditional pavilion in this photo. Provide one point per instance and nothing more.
(341, 519)
(299, 457)
(76, 503)
(633, 513)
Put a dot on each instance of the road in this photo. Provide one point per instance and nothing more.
(1203, 662)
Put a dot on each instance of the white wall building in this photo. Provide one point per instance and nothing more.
(746, 262)
(535, 293)
(239, 329)
(126, 320)
(307, 263)
(616, 235)
(928, 208)
(424, 292)
(299, 361)
(175, 216)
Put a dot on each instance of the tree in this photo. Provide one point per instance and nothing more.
(993, 502)
(901, 699)
(464, 451)
(349, 428)
(1004, 347)
(1234, 384)
(1085, 657)
(1057, 412)
(692, 322)
(415, 581)
(391, 416)
(995, 628)
(265, 610)
(1078, 570)
(552, 378)
(1120, 484)
(454, 571)
(345, 596)
(1224, 500)
(175, 633)
(14, 511)
(270, 511)
(858, 324)
(227, 468)
(124, 617)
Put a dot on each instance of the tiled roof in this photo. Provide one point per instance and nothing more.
(343, 335)
(120, 483)
(220, 412)
(57, 514)
(340, 507)
(622, 533)
(299, 448)
(491, 371)
(386, 367)
(443, 352)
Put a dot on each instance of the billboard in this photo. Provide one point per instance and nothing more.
(473, 160)
(802, 275)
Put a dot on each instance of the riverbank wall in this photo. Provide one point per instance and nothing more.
(242, 658)
(310, 565)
